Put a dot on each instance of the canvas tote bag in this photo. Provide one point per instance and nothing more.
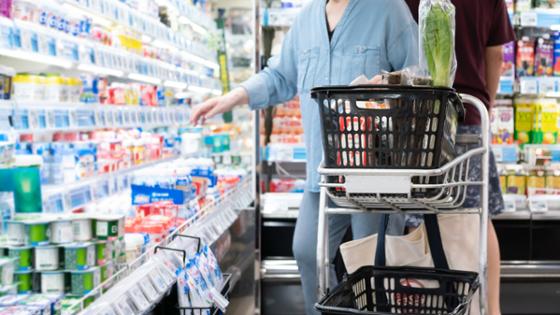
(459, 237)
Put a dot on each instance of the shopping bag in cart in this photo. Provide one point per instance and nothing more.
(459, 234)
(404, 290)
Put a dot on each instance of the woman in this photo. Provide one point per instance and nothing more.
(482, 28)
(331, 43)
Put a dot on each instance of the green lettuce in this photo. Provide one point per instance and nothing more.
(438, 42)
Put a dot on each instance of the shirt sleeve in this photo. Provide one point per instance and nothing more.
(501, 31)
(403, 41)
(277, 83)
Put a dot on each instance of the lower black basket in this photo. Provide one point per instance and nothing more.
(226, 288)
(406, 290)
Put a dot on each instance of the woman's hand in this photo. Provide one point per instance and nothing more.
(218, 105)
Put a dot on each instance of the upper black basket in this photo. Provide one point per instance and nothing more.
(388, 126)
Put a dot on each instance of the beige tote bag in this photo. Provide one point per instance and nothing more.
(459, 234)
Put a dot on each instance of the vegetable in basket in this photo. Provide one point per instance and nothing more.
(437, 40)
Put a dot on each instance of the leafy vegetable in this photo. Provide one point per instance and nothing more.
(438, 41)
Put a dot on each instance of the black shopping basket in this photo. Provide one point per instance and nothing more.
(388, 126)
(211, 310)
(381, 290)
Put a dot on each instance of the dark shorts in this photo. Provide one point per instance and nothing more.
(472, 200)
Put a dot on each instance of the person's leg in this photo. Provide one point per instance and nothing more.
(493, 271)
(305, 246)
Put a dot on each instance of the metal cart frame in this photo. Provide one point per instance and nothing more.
(378, 183)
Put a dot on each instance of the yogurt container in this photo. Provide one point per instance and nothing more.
(23, 256)
(107, 271)
(62, 232)
(48, 304)
(7, 269)
(83, 281)
(79, 256)
(46, 258)
(82, 229)
(16, 233)
(52, 282)
(25, 281)
(109, 226)
(102, 253)
(28, 232)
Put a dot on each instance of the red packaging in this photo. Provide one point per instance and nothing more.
(525, 60)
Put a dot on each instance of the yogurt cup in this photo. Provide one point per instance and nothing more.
(7, 269)
(46, 258)
(102, 253)
(37, 232)
(109, 226)
(25, 281)
(62, 232)
(82, 229)
(16, 233)
(52, 282)
(79, 256)
(83, 281)
(23, 255)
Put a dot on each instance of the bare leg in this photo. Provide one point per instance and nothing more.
(493, 271)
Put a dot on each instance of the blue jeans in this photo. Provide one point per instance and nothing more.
(305, 241)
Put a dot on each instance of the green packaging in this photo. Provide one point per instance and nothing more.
(83, 281)
(102, 252)
(109, 226)
(23, 255)
(28, 232)
(79, 256)
(25, 281)
(107, 271)
(52, 282)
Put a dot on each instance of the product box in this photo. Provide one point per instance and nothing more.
(545, 127)
(502, 122)
(523, 5)
(544, 56)
(508, 66)
(525, 60)
(524, 118)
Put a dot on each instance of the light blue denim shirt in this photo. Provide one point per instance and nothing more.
(373, 35)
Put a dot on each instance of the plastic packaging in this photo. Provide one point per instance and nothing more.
(437, 40)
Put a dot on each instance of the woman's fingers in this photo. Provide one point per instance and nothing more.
(200, 111)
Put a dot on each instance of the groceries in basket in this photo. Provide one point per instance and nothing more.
(437, 40)
(403, 279)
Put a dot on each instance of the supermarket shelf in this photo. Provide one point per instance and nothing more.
(279, 18)
(547, 86)
(151, 29)
(545, 18)
(88, 56)
(517, 215)
(280, 270)
(209, 224)
(48, 117)
(70, 196)
(280, 152)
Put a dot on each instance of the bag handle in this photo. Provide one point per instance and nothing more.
(436, 251)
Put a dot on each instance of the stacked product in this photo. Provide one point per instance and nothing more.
(67, 254)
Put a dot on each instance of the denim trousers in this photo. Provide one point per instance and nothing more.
(305, 241)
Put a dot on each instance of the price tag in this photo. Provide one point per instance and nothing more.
(126, 117)
(100, 118)
(119, 118)
(510, 205)
(148, 290)
(5, 114)
(78, 197)
(538, 205)
(547, 85)
(529, 19)
(528, 86)
(84, 118)
(102, 189)
(109, 118)
(61, 119)
(134, 118)
(54, 204)
(142, 117)
(21, 119)
(138, 298)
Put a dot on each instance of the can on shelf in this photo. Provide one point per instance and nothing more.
(517, 181)
(536, 182)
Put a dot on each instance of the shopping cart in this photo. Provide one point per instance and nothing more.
(391, 149)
